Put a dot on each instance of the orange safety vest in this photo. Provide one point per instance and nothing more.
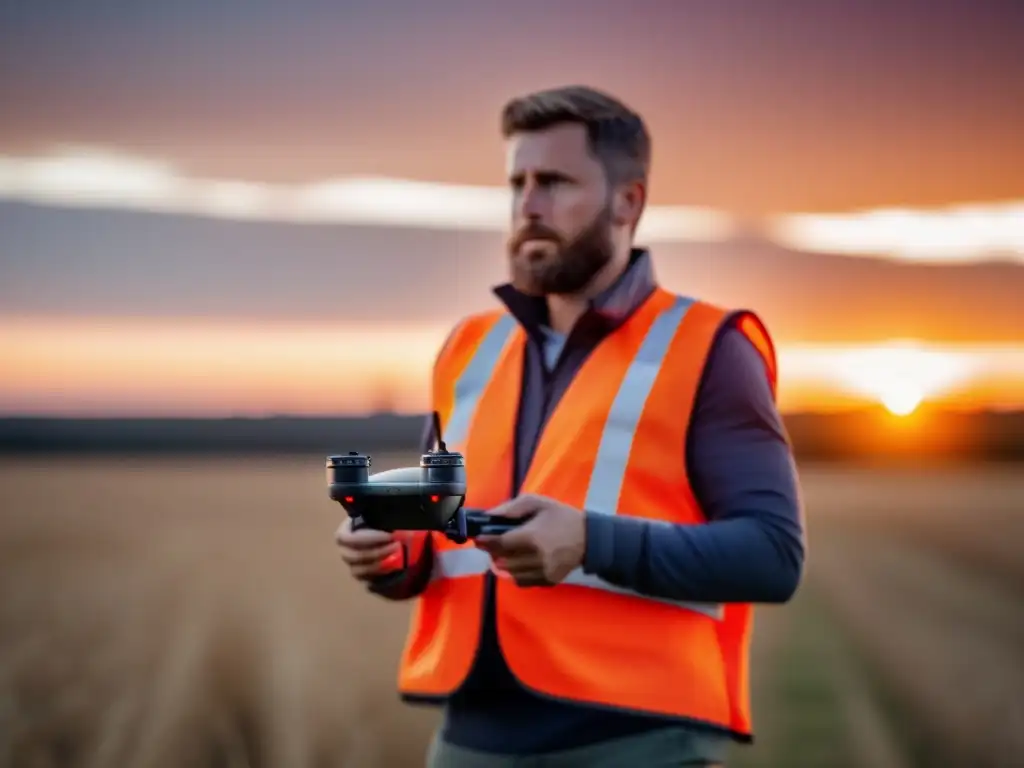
(614, 445)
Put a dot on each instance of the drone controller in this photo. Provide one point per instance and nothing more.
(429, 497)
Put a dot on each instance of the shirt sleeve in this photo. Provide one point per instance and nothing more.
(743, 474)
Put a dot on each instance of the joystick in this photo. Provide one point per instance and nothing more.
(429, 497)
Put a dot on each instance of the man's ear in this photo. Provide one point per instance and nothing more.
(629, 202)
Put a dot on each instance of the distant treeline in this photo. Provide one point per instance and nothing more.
(860, 435)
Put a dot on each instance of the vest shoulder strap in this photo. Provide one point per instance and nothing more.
(457, 352)
(463, 338)
(754, 329)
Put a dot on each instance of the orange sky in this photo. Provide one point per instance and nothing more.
(214, 369)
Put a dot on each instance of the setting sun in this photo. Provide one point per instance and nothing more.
(902, 399)
(901, 374)
(898, 375)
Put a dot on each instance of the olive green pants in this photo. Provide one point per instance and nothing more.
(663, 748)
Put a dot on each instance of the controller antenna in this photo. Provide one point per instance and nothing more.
(441, 447)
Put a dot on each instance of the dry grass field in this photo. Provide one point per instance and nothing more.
(177, 612)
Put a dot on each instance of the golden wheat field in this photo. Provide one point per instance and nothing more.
(193, 612)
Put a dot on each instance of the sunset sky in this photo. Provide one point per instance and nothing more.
(205, 209)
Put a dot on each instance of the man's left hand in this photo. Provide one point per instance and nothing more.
(543, 550)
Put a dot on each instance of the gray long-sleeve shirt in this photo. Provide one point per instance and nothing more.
(742, 472)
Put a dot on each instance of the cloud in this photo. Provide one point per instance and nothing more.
(76, 176)
(956, 234)
(87, 177)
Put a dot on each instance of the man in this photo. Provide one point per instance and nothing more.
(636, 434)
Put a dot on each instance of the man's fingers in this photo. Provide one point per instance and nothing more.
(518, 541)
(520, 563)
(369, 556)
(367, 572)
(508, 544)
(520, 506)
(364, 538)
(528, 577)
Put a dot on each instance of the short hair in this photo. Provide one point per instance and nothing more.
(616, 135)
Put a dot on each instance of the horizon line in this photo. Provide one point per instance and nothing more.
(926, 409)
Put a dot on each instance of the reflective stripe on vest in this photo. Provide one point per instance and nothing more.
(474, 379)
(613, 454)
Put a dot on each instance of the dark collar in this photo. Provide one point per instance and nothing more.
(608, 310)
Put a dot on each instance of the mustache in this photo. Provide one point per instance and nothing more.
(534, 232)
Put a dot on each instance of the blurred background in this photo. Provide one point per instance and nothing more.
(232, 237)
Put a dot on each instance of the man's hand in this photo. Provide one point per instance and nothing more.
(366, 550)
(542, 551)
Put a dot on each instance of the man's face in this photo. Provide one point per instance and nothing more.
(562, 217)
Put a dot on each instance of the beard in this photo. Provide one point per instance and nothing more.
(564, 266)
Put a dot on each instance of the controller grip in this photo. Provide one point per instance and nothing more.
(481, 524)
(495, 526)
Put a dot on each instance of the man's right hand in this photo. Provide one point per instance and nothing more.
(366, 550)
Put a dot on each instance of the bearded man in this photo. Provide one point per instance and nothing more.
(635, 432)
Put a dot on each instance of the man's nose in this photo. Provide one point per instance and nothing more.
(532, 203)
